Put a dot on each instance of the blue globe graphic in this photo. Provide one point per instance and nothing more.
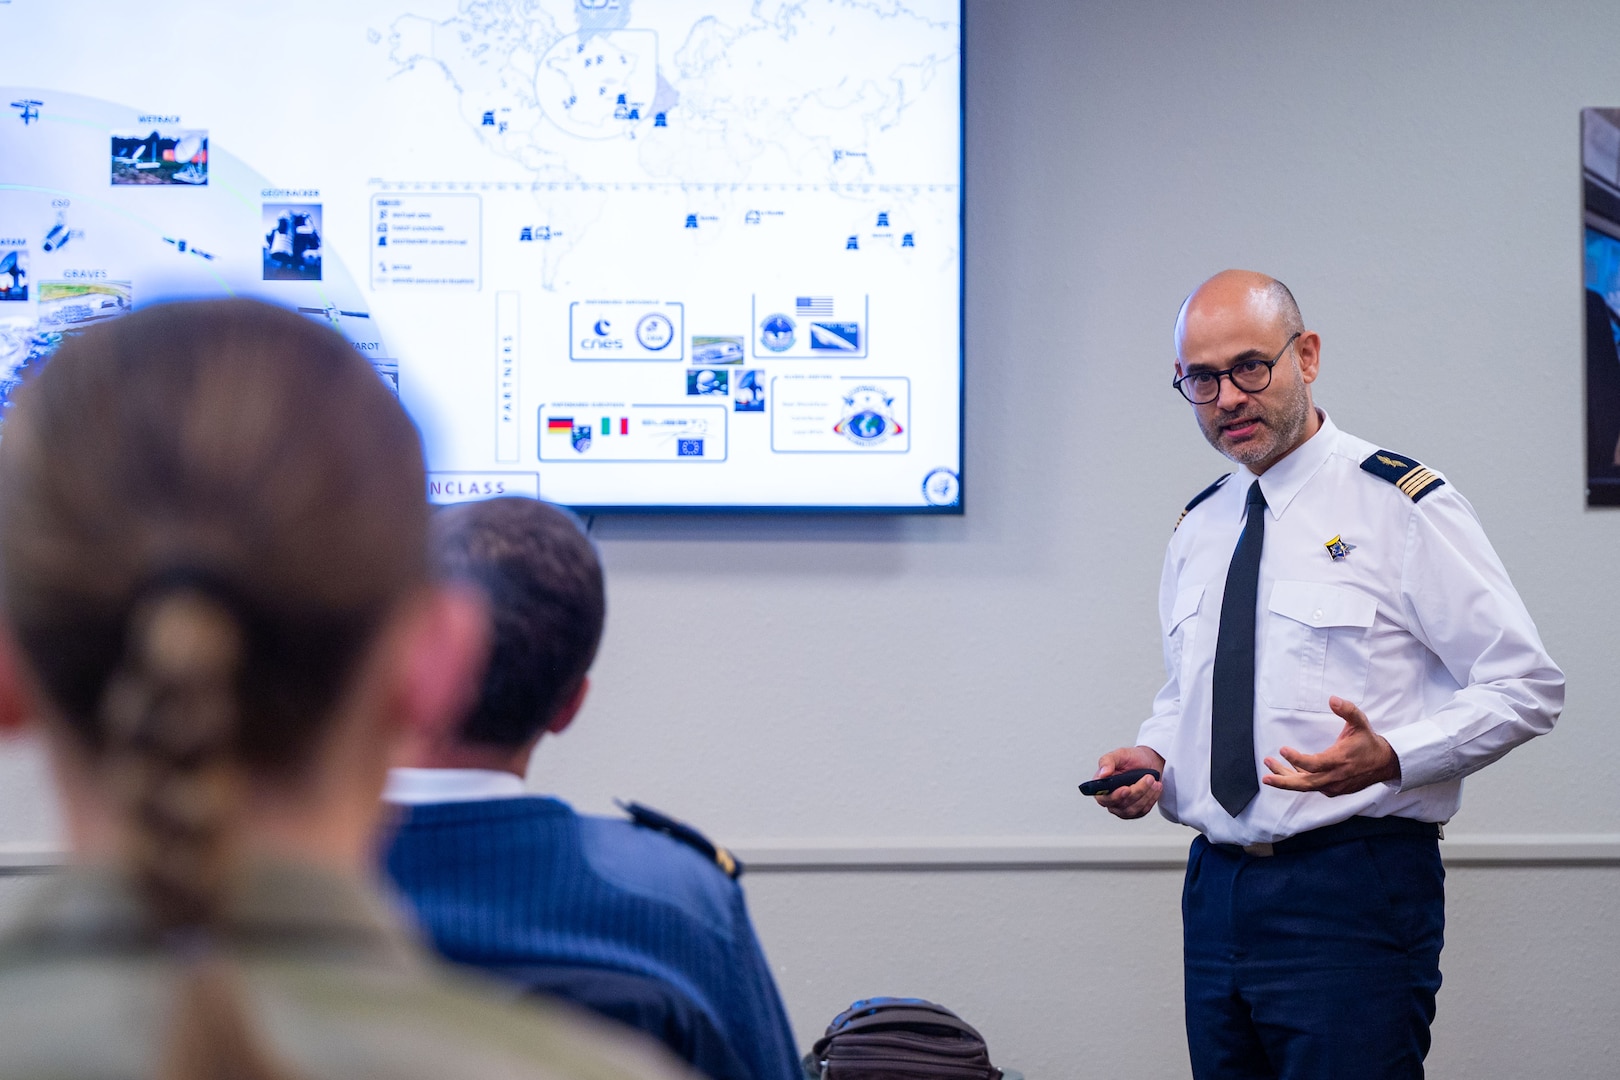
(868, 425)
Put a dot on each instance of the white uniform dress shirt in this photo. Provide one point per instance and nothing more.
(1417, 623)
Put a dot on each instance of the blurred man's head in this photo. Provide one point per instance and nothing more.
(543, 582)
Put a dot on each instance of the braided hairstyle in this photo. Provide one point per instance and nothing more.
(207, 511)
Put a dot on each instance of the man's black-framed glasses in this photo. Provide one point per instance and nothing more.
(1250, 376)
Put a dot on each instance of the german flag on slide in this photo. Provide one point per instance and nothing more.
(564, 424)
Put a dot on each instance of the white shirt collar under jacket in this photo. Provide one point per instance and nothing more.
(418, 787)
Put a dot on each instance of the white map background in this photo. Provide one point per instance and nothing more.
(871, 106)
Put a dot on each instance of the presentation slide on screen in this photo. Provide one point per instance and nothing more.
(613, 253)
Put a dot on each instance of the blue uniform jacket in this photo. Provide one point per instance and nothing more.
(507, 883)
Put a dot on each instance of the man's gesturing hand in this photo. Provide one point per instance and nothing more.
(1358, 758)
(1140, 797)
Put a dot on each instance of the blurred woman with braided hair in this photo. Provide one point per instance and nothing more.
(215, 608)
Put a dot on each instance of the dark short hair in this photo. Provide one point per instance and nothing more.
(544, 583)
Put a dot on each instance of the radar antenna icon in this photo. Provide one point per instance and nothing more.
(187, 150)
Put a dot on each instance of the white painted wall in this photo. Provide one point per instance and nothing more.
(1412, 171)
(1063, 970)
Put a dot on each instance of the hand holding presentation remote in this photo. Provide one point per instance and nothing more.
(1119, 780)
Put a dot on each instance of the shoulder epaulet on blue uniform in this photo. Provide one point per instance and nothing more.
(1200, 497)
(648, 818)
(1415, 480)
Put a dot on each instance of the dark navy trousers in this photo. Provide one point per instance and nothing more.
(1313, 965)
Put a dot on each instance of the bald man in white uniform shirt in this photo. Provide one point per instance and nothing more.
(1318, 747)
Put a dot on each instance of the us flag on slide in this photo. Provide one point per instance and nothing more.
(813, 307)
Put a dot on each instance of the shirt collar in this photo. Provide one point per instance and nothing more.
(417, 787)
(1283, 481)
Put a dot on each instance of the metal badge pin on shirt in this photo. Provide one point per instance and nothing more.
(1337, 548)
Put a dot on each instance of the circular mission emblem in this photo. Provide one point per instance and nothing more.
(655, 331)
(776, 333)
(941, 488)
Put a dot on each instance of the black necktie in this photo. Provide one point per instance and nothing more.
(1232, 775)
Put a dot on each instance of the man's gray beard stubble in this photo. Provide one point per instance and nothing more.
(1286, 423)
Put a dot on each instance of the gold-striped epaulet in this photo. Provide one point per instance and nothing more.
(1200, 497)
(648, 818)
(1414, 479)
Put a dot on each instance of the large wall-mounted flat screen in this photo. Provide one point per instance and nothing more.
(619, 254)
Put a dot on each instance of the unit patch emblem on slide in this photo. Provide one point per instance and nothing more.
(941, 487)
(776, 333)
(868, 419)
(655, 331)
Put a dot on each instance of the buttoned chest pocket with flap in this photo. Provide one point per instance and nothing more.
(1316, 645)
(1184, 630)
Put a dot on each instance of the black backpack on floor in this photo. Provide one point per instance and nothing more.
(889, 1038)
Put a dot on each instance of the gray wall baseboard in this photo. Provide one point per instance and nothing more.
(1051, 853)
(1157, 853)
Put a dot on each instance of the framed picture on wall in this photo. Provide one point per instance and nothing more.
(1600, 170)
